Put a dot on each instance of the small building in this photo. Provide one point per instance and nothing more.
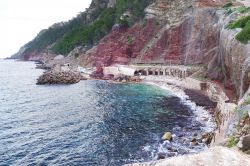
(119, 70)
(126, 70)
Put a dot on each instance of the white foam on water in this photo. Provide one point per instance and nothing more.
(202, 115)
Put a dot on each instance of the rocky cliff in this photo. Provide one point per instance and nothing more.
(172, 32)
(189, 32)
(43, 46)
(184, 32)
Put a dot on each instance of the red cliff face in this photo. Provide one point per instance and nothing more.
(210, 3)
(123, 45)
(191, 37)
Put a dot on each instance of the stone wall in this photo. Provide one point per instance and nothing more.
(223, 114)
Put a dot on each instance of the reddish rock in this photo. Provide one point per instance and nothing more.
(193, 40)
(116, 47)
(98, 73)
(210, 3)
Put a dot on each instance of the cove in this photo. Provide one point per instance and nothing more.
(89, 123)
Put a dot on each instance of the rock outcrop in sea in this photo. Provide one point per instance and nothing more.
(59, 77)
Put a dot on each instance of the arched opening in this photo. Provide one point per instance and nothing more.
(140, 73)
(143, 72)
(150, 72)
(166, 72)
(161, 73)
(136, 73)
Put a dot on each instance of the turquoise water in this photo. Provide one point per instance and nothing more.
(89, 123)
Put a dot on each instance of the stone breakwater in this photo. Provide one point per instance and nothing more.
(59, 77)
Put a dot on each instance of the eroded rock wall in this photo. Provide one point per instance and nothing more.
(235, 57)
(122, 45)
(179, 32)
(172, 32)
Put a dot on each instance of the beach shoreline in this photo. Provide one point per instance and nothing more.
(216, 120)
(203, 115)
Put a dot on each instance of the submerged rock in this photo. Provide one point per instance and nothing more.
(167, 136)
(207, 138)
(161, 156)
(194, 143)
(200, 99)
(125, 79)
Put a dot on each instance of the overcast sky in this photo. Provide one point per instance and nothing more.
(21, 20)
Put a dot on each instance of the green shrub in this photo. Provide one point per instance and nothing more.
(130, 40)
(90, 34)
(124, 22)
(240, 23)
(79, 32)
(86, 35)
(229, 11)
(241, 113)
(200, 76)
(76, 55)
(241, 9)
(244, 23)
(232, 142)
(246, 101)
(244, 35)
(227, 5)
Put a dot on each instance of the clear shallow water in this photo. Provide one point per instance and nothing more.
(89, 123)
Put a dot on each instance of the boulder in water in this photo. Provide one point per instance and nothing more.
(167, 136)
(59, 77)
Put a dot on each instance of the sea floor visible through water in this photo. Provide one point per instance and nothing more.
(89, 123)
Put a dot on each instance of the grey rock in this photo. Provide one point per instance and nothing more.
(244, 143)
(59, 77)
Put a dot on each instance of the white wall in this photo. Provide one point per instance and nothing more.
(111, 70)
(117, 70)
(127, 71)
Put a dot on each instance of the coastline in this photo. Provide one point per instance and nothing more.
(203, 115)
(217, 123)
(177, 86)
(224, 109)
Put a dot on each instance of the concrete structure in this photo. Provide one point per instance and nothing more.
(174, 71)
(146, 70)
(119, 70)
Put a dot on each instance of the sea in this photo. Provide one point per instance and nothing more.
(93, 122)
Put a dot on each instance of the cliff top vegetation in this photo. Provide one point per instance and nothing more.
(79, 32)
